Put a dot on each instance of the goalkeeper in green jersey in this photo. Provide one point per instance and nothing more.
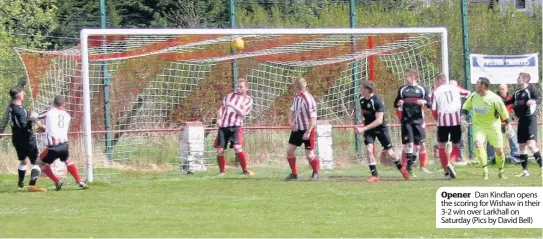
(487, 109)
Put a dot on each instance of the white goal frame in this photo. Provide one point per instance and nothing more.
(85, 33)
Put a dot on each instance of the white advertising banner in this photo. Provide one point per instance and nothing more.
(503, 68)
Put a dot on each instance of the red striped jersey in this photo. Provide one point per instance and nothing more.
(57, 123)
(229, 116)
(304, 108)
(447, 104)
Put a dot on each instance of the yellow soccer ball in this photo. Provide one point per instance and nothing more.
(238, 44)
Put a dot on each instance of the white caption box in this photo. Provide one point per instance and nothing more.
(489, 207)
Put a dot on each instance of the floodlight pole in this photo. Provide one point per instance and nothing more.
(234, 63)
(356, 76)
(467, 78)
(107, 88)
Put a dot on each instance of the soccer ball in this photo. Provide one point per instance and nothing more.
(238, 44)
(33, 116)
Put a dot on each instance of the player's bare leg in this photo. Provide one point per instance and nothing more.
(423, 157)
(372, 164)
(450, 173)
(240, 155)
(480, 151)
(291, 157)
(221, 161)
(500, 162)
(398, 163)
(313, 162)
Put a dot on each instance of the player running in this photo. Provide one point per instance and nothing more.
(57, 124)
(302, 119)
(446, 107)
(373, 109)
(525, 101)
(411, 98)
(24, 139)
(235, 106)
(487, 109)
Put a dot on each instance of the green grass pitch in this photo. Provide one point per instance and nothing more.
(341, 204)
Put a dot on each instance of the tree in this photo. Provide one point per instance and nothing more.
(25, 23)
(187, 14)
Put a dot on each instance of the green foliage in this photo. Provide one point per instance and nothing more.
(25, 23)
(498, 31)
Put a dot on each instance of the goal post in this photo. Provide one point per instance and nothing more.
(161, 79)
(88, 33)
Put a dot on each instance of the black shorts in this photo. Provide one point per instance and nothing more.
(55, 152)
(232, 134)
(297, 138)
(527, 130)
(26, 147)
(446, 133)
(381, 134)
(413, 133)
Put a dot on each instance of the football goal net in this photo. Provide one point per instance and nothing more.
(130, 91)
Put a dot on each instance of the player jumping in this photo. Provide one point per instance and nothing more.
(525, 101)
(57, 124)
(446, 107)
(235, 106)
(302, 119)
(487, 109)
(411, 97)
(24, 139)
(373, 109)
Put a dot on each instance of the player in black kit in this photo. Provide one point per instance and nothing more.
(373, 109)
(525, 101)
(411, 97)
(23, 139)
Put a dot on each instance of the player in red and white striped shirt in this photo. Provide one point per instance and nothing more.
(302, 119)
(57, 123)
(446, 107)
(235, 106)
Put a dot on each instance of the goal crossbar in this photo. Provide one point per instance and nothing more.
(85, 61)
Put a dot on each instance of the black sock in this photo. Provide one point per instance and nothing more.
(537, 156)
(34, 175)
(409, 157)
(524, 161)
(398, 164)
(373, 170)
(22, 175)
